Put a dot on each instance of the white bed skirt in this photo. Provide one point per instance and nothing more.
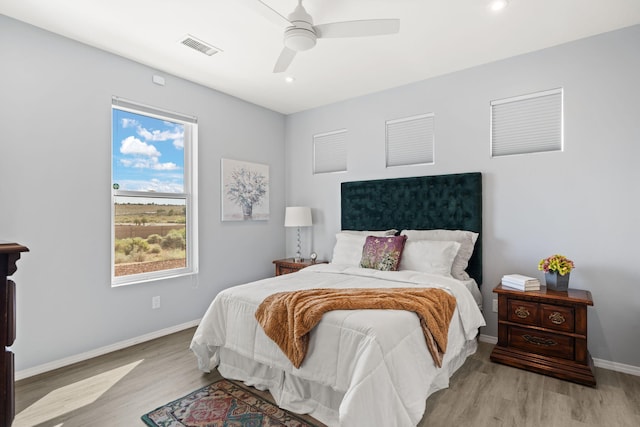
(321, 402)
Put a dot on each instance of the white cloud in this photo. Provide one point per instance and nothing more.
(169, 166)
(148, 163)
(157, 135)
(138, 162)
(161, 187)
(152, 185)
(132, 145)
(128, 123)
(176, 134)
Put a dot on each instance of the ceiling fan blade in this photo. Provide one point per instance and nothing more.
(284, 60)
(368, 27)
(266, 11)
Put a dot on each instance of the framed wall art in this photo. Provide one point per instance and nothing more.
(245, 191)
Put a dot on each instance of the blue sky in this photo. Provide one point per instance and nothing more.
(148, 153)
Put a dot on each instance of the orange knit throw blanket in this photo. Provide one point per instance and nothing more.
(287, 317)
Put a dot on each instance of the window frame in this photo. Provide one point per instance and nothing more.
(189, 193)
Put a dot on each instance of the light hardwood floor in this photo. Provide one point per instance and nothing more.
(116, 389)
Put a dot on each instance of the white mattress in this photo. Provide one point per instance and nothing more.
(363, 367)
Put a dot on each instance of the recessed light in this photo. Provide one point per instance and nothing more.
(289, 79)
(498, 5)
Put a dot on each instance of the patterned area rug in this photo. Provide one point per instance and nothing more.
(222, 404)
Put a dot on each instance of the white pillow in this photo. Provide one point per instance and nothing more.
(349, 244)
(467, 240)
(348, 248)
(429, 256)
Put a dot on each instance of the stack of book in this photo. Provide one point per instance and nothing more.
(518, 281)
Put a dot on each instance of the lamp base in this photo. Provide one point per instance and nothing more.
(298, 259)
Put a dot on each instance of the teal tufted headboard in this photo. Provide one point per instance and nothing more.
(452, 202)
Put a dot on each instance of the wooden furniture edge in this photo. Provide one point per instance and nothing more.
(570, 371)
(581, 296)
(9, 255)
(581, 372)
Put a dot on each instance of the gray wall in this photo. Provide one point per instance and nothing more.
(55, 127)
(582, 202)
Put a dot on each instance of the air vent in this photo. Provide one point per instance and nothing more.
(199, 45)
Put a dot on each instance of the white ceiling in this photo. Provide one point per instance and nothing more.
(436, 37)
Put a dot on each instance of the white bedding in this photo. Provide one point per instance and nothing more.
(363, 367)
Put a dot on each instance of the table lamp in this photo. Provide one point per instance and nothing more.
(297, 216)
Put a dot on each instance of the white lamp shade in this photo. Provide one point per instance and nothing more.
(297, 216)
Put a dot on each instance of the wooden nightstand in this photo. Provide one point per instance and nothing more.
(545, 331)
(288, 265)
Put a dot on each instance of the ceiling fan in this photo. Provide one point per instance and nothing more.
(300, 34)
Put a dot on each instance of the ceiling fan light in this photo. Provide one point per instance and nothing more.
(498, 5)
(299, 39)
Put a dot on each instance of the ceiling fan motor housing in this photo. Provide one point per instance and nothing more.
(298, 38)
(301, 35)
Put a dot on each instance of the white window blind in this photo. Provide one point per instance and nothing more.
(527, 124)
(410, 140)
(330, 152)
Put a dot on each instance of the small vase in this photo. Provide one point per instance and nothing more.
(247, 211)
(557, 282)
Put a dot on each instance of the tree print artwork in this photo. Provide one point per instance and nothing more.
(245, 191)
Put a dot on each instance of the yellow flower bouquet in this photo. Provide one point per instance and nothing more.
(559, 264)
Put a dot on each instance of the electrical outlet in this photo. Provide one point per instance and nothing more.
(495, 305)
(155, 302)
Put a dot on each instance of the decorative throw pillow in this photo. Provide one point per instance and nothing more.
(349, 244)
(467, 240)
(382, 253)
(429, 256)
(366, 233)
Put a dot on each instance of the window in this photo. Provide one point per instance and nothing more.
(527, 124)
(410, 140)
(330, 152)
(154, 217)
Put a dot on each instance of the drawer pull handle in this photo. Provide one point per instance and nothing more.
(522, 312)
(539, 341)
(557, 318)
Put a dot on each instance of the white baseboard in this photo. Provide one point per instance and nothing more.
(618, 367)
(26, 373)
(600, 363)
(488, 339)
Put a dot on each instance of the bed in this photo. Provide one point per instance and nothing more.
(364, 367)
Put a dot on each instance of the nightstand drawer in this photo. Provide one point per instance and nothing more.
(524, 312)
(286, 270)
(289, 265)
(542, 342)
(557, 317)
